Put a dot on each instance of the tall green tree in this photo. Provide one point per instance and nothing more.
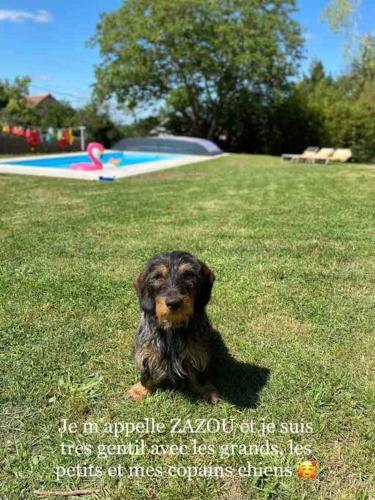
(99, 124)
(198, 55)
(342, 17)
(13, 107)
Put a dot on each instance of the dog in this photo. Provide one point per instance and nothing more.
(173, 340)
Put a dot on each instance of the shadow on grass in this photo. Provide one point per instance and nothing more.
(238, 383)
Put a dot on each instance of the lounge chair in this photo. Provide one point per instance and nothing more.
(323, 156)
(341, 156)
(306, 154)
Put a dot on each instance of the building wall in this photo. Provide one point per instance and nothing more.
(43, 106)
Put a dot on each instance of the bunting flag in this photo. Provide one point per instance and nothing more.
(50, 135)
(28, 135)
(70, 137)
(18, 131)
(63, 141)
(35, 139)
(35, 136)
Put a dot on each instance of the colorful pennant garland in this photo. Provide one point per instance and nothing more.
(35, 136)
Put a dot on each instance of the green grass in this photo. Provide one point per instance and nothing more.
(292, 249)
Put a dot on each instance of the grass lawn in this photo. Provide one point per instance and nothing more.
(292, 249)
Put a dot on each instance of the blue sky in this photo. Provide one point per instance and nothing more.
(47, 40)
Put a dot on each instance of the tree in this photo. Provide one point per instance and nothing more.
(99, 125)
(340, 15)
(340, 112)
(13, 107)
(362, 72)
(342, 18)
(317, 72)
(198, 55)
(141, 127)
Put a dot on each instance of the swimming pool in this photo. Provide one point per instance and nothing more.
(117, 164)
(65, 161)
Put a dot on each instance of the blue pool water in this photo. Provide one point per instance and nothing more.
(64, 162)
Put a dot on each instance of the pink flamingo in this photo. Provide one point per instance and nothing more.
(95, 151)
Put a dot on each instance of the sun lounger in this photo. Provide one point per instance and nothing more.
(341, 156)
(323, 156)
(306, 154)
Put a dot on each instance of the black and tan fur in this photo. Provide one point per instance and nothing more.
(174, 334)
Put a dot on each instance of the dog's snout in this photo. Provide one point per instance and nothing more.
(173, 303)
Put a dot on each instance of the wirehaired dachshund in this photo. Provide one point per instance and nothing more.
(173, 340)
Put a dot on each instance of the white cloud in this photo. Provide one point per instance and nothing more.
(19, 16)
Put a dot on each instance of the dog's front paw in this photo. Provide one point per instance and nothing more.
(212, 396)
(138, 392)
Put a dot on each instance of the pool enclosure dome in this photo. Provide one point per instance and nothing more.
(169, 144)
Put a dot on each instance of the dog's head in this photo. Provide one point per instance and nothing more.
(173, 286)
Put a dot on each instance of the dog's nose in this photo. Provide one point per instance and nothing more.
(173, 303)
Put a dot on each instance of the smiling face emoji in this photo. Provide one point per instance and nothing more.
(307, 469)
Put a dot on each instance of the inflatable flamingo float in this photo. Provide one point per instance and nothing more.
(95, 151)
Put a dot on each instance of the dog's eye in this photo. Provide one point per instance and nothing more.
(158, 277)
(186, 275)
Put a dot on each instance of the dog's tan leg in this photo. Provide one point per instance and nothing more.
(139, 391)
(207, 390)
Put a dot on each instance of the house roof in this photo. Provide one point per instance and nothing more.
(34, 100)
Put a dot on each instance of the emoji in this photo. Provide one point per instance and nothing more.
(307, 469)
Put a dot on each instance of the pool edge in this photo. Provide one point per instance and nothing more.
(115, 172)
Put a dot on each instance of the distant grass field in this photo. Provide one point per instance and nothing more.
(292, 247)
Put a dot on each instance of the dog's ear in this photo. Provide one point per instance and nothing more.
(139, 280)
(207, 281)
(146, 301)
